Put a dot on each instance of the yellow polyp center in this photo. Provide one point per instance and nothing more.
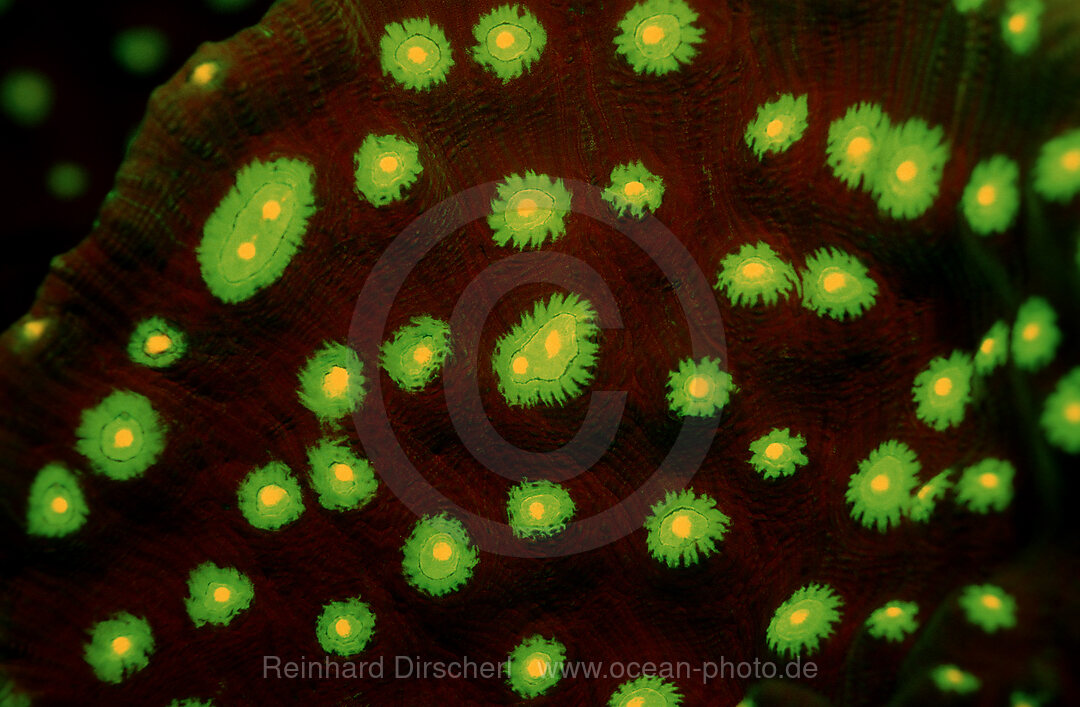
(680, 526)
(271, 210)
(1030, 332)
(342, 472)
(123, 438)
(893, 611)
(336, 382)
(986, 195)
(203, 73)
(987, 346)
(222, 594)
(798, 616)
(158, 343)
(121, 645)
(34, 329)
(943, 386)
(421, 354)
(698, 387)
(520, 365)
(1072, 412)
(925, 491)
(388, 163)
(774, 128)
(634, 188)
(988, 480)
(504, 40)
(991, 602)
(653, 34)
(880, 483)
(417, 55)
(834, 281)
(526, 208)
(954, 676)
(59, 505)
(343, 627)
(536, 667)
(442, 551)
(536, 510)
(907, 171)
(1071, 160)
(1017, 23)
(859, 147)
(246, 250)
(636, 702)
(553, 343)
(271, 495)
(752, 271)
(774, 450)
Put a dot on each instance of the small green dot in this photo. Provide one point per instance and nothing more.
(67, 180)
(141, 50)
(27, 96)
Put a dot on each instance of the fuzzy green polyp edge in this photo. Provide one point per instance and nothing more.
(128, 405)
(335, 494)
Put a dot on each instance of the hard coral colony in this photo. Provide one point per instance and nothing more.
(210, 416)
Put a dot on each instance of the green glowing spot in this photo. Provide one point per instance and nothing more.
(141, 50)
(1035, 335)
(206, 73)
(332, 382)
(119, 646)
(342, 480)
(56, 506)
(29, 331)
(385, 166)
(950, 678)
(684, 528)
(879, 492)
(416, 53)
(634, 190)
(345, 628)
(925, 500)
(777, 453)
(438, 556)
(535, 666)
(968, 5)
(836, 284)
(804, 620)
(992, 197)
(1057, 171)
(27, 96)
(1020, 24)
(993, 349)
(755, 274)
(415, 354)
(1060, 418)
(646, 691)
(217, 594)
(988, 607)
(191, 702)
(942, 390)
(156, 343)
(855, 143)
(550, 355)
(253, 233)
(777, 125)
(1023, 699)
(986, 486)
(893, 622)
(509, 39)
(67, 180)
(9, 697)
(529, 210)
(656, 36)
(699, 388)
(269, 497)
(228, 6)
(908, 175)
(538, 509)
(122, 436)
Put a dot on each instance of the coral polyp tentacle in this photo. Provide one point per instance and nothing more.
(415, 53)
(658, 36)
(509, 39)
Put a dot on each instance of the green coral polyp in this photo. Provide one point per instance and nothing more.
(386, 165)
(1020, 24)
(646, 691)
(658, 36)
(416, 352)
(550, 355)
(509, 39)
(855, 142)
(993, 350)
(1060, 418)
(415, 53)
(439, 556)
(755, 274)
(538, 509)
(56, 506)
(528, 210)
(217, 594)
(119, 647)
(777, 453)
(156, 343)
(836, 284)
(122, 436)
(907, 179)
(1035, 335)
(535, 666)
(346, 627)
(634, 190)
(950, 678)
(778, 125)
(879, 492)
(342, 480)
(269, 497)
(252, 235)
(893, 622)
(800, 624)
(925, 500)
(986, 486)
(989, 607)
(684, 528)
(699, 388)
(992, 197)
(1057, 170)
(332, 382)
(942, 390)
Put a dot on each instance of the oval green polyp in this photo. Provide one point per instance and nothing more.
(646, 691)
(986, 486)
(988, 606)
(156, 343)
(269, 497)
(119, 647)
(880, 491)
(122, 436)
(1060, 417)
(855, 142)
(658, 36)
(1057, 170)
(789, 113)
(908, 175)
(684, 528)
(836, 284)
(26, 96)
(755, 274)
(256, 229)
(386, 165)
(942, 390)
(538, 509)
(56, 506)
(332, 382)
(777, 453)
(1035, 335)
(925, 500)
(993, 349)
(804, 620)
(415, 53)
(439, 556)
(950, 678)
(698, 388)
(342, 480)
(643, 197)
(535, 666)
(345, 628)
(528, 210)
(217, 594)
(416, 352)
(1020, 24)
(508, 40)
(893, 622)
(992, 197)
